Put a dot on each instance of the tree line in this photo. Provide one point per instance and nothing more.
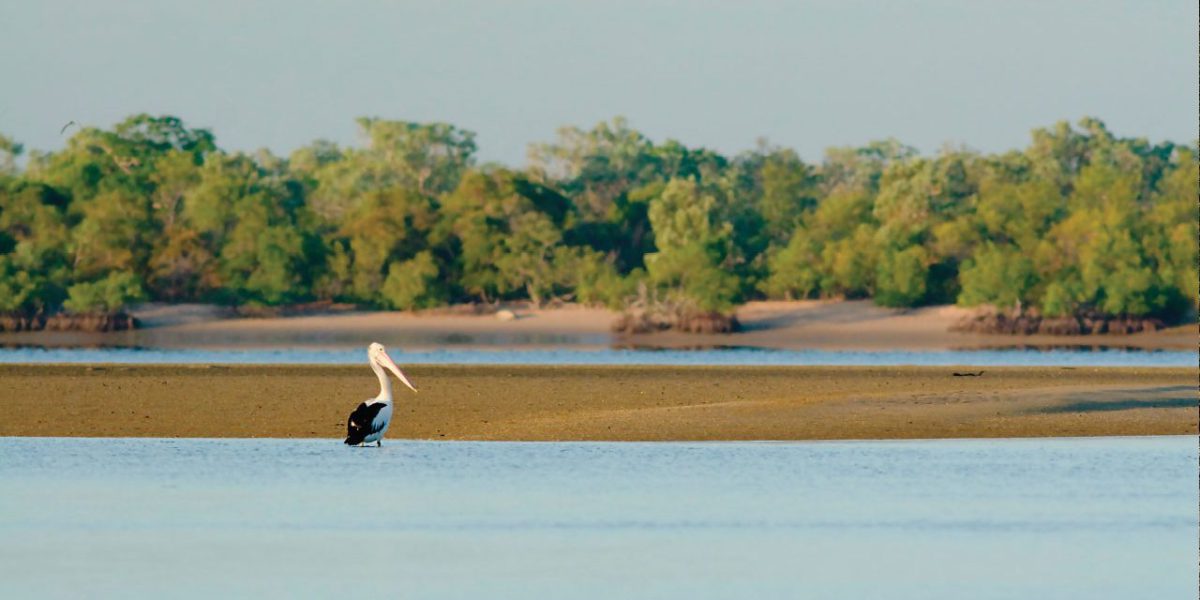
(1080, 220)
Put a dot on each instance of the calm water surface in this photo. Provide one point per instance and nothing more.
(1052, 518)
(569, 356)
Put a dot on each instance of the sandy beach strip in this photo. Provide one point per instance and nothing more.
(600, 402)
(856, 325)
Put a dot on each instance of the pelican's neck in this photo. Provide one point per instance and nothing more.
(385, 384)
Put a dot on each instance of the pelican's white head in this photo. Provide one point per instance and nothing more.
(379, 356)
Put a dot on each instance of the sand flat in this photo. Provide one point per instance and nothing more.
(600, 402)
(792, 325)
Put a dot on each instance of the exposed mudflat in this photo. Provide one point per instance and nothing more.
(478, 402)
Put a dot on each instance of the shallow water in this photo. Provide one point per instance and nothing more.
(1048, 518)
(569, 356)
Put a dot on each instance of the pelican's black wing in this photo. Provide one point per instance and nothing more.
(362, 422)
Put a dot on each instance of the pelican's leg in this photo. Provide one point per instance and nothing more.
(379, 443)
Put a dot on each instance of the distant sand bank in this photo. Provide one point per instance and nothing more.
(826, 325)
(860, 325)
(600, 402)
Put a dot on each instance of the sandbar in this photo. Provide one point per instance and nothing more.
(616, 403)
(856, 325)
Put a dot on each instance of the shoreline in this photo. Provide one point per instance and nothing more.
(797, 325)
(601, 403)
(1149, 436)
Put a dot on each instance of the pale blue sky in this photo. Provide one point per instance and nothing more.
(719, 74)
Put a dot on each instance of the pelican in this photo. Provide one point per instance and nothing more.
(370, 420)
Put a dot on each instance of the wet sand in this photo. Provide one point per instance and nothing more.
(601, 402)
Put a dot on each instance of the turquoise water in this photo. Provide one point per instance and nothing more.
(1047, 518)
(565, 356)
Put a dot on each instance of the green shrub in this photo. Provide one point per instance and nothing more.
(110, 294)
(413, 283)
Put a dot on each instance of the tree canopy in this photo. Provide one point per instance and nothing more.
(1080, 220)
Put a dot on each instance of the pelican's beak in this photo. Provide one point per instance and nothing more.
(391, 366)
